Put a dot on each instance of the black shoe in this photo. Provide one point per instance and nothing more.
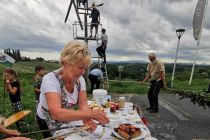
(153, 111)
(148, 108)
(90, 36)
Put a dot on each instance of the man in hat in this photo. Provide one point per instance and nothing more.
(156, 77)
(95, 15)
(102, 49)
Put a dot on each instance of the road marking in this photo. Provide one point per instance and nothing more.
(182, 111)
(173, 111)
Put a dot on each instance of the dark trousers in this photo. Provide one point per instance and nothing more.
(43, 126)
(102, 51)
(94, 80)
(153, 92)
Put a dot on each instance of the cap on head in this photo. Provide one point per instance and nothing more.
(103, 30)
(152, 54)
(93, 5)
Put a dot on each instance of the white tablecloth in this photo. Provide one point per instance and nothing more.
(126, 115)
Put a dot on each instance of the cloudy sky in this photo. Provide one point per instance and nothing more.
(134, 28)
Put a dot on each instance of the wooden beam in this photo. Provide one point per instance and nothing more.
(16, 117)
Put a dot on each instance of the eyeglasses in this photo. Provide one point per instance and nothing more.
(151, 58)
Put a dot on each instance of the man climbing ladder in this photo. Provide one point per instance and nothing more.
(102, 49)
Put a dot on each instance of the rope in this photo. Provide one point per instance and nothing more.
(66, 134)
(41, 131)
(129, 82)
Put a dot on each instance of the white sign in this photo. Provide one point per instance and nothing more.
(198, 18)
(4, 57)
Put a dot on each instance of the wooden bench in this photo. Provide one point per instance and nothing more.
(16, 117)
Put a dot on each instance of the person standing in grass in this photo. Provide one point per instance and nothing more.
(156, 77)
(12, 85)
(40, 72)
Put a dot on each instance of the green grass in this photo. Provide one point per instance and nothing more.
(127, 87)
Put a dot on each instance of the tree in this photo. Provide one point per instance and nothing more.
(15, 54)
(39, 59)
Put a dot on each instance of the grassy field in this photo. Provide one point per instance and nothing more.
(26, 72)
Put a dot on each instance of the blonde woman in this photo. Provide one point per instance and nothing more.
(63, 92)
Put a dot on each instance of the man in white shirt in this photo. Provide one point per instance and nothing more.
(101, 49)
(95, 77)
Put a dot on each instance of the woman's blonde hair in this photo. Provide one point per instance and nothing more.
(74, 51)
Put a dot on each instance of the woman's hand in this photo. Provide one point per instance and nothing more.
(12, 132)
(100, 116)
(91, 124)
(17, 138)
(7, 81)
(142, 82)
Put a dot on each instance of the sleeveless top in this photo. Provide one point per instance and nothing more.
(64, 104)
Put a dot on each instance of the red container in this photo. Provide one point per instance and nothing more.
(117, 106)
(113, 108)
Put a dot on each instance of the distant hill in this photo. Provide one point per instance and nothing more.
(133, 71)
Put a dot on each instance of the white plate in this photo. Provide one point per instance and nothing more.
(143, 134)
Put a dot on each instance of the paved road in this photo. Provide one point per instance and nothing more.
(176, 120)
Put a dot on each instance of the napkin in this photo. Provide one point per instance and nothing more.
(150, 138)
(71, 125)
(98, 131)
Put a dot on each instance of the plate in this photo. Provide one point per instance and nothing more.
(143, 134)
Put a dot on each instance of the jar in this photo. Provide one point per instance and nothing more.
(121, 102)
(108, 104)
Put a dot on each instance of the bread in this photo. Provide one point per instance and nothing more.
(128, 131)
(135, 134)
(123, 134)
(97, 108)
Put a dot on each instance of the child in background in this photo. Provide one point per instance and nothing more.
(12, 85)
(40, 72)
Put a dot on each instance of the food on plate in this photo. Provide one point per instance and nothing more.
(60, 138)
(135, 134)
(96, 106)
(128, 131)
(123, 134)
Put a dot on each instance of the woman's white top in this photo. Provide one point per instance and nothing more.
(51, 84)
